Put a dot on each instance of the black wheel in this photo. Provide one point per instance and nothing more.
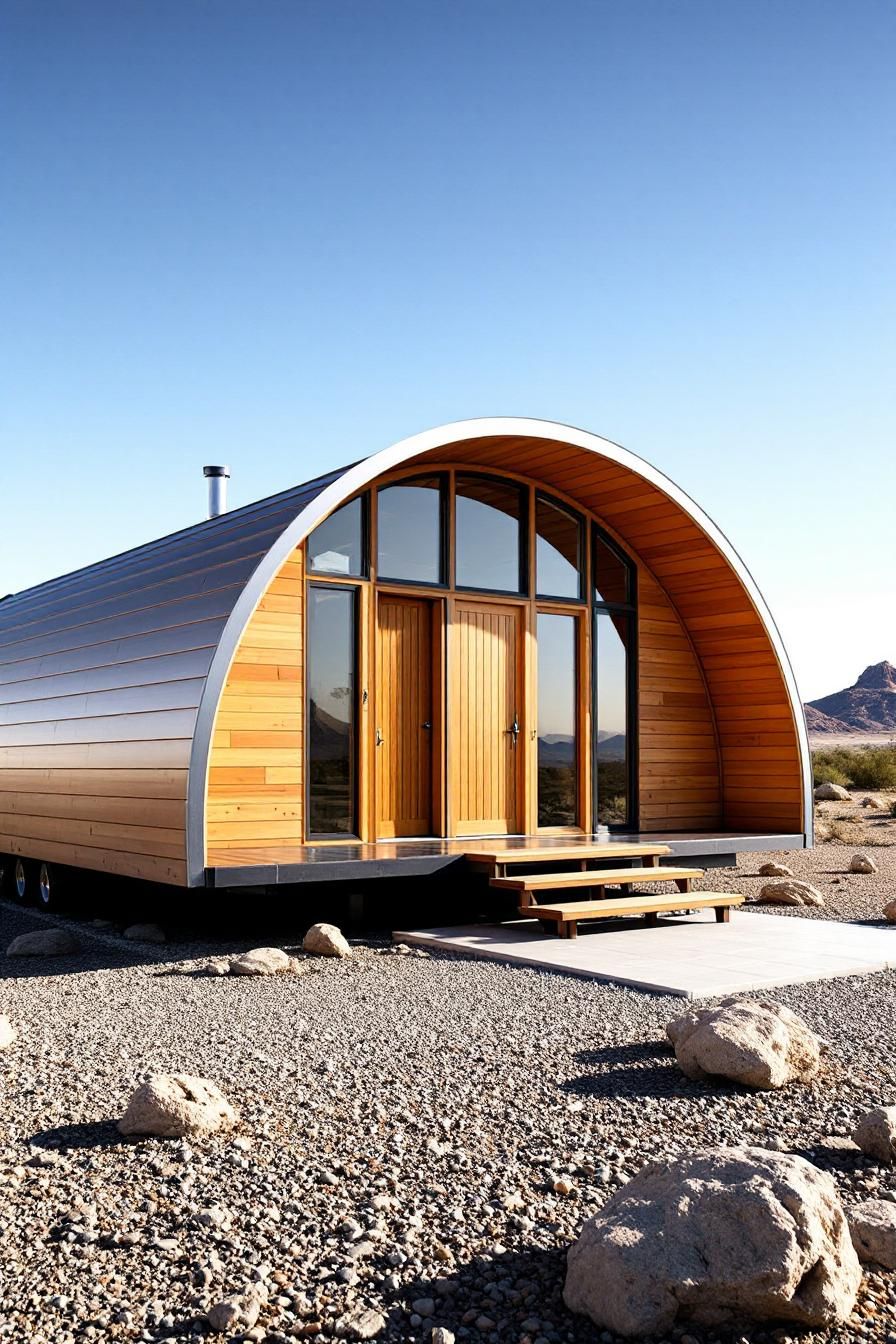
(47, 893)
(23, 881)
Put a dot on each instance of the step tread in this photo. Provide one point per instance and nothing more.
(595, 878)
(547, 853)
(563, 910)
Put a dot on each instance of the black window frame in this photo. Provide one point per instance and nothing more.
(364, 500)
(524, 495)
(582, 565)
(629, 609)
(354, 835)
(444, 541)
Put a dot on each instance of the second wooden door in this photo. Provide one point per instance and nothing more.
(404, 717)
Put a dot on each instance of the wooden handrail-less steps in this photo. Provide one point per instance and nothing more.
(499, 860)
(565, 915)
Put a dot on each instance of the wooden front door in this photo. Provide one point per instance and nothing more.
(484, 724)
(404, 717)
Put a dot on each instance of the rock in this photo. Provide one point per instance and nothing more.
(832, 793)
(872, 1226)
(750, 1041)
(176, 1104)
(890, 912)
(441, 1336)
(240, 1311)
(44, 943)
(144, 933)
(261, 961)
(873, 801)
(360, 1324)
(862, 863)
(876, 1134)
(790, 892)
(775, 870)
(325, 940)
(716, 1235)
(8, 1033)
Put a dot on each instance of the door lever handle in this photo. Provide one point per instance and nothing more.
(427, 724)
(379, 739)
(514, 731)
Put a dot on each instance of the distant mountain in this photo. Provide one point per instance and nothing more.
(817, 722)
(867, 707)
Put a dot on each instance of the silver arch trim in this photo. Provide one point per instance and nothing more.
(361, 474)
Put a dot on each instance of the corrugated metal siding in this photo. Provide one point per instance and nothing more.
(101, 675)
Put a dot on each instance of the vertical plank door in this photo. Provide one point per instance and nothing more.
(486, 702)
(404, 730)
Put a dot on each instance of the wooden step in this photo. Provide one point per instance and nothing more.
(597, 877)
(567, 914)
(563, 853)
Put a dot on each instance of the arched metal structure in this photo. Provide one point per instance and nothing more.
(110, 678)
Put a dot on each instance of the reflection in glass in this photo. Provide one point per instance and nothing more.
(611, 582)
(331, 711)
(557, 736)
(409, 531)
(487, 527)
(611, 717)
(336, 546)
(558, 537)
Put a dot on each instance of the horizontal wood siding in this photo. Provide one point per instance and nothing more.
(679, 782)
(255, 772)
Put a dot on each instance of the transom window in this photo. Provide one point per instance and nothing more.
(488, 533)
(410, 531)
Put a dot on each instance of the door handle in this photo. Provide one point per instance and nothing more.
(426, 725)
(514, 731)
(379, 739)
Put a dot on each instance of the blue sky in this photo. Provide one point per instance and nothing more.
(286, 235)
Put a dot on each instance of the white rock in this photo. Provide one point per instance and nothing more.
(439, 1335)
(325, 940)
(144, 933)
(775, 870)
(360, 1324)
(790, 892)
(176, 1104)
(240, 1311)
(872, 1226)
(8, 1033)
(44, 943)
(750, 1041)
(832, 793)
(716, 1235)
(261, 961)
(862, 863)
(876, 1134)
(890, 912)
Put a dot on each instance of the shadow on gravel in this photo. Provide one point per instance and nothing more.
(85, 1134)
(830, 1158)
(644, 1069)
(508, 1290)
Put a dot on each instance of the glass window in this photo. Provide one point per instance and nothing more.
(489, 535)
(611, 748)
(557, 721)
(611, 573)
(409, 531)
(331, 711)
(558, 550)
(336, 546)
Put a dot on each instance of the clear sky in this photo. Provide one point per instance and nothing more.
(284, 235)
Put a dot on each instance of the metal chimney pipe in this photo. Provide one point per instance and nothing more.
(217, 478)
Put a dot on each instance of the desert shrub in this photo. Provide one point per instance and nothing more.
(861, 767)
(893, 808)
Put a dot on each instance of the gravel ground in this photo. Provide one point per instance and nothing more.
(420, 1136)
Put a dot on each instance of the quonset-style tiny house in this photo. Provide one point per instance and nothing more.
(502, 627)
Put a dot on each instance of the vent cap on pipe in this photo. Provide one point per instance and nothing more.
(217, 478)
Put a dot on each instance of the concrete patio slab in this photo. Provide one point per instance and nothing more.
(686, 955)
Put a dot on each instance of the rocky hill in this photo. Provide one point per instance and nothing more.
(867, 707)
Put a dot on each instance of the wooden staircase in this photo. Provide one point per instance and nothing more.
(564, 916)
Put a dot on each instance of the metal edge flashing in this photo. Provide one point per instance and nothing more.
(356, 477)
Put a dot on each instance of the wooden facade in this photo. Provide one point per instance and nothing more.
(153, 709)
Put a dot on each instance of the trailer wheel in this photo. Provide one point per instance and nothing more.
(47, 892)
(23, 881)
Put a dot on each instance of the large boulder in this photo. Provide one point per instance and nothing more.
(713, 1236)
(790, 892)
(862, 863)
(890, 912)
(261, 961)
(832, 793)
(174, 1105)
(8, 1033)
(750, 1041)
(44, 943)
(325, 940)
(872, 1226)
(876, 1134)
(775, 870)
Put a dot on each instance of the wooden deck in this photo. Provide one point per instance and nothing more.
(270, 865)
